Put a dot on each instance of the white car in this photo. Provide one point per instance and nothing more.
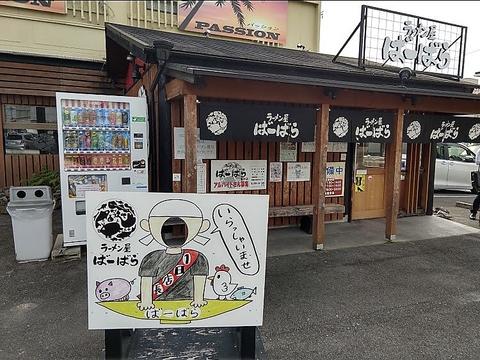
(453, 168)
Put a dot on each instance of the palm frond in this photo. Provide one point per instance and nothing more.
(248, 4)
(220, 3)
(237, 10)
(188, 4)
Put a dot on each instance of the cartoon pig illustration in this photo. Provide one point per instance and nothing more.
(115, 289)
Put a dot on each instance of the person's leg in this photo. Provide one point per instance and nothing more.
(475, 207)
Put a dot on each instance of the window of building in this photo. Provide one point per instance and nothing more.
(370, 155)
(30, 129)
(165, 6)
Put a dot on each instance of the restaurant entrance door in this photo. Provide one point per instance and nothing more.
(368, 188)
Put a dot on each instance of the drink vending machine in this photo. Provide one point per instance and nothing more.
(103, 144)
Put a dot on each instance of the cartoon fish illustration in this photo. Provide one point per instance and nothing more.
(243, 293)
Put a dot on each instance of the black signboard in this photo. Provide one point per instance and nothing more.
(360, 126)
(255, 122)
(435, 128)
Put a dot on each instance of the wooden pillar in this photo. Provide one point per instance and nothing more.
(319, 178)
(393, 172)
(190, 125)
(2, 150)
(425, 176)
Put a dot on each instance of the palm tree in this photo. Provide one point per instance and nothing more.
(235, 4)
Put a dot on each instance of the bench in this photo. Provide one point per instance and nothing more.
(303, 210)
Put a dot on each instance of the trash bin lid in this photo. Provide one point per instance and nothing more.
(29, 204)
(29, 195)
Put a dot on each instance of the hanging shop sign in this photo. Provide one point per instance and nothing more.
(360, 126)
(251, 20)
(434, 128)
(255, 122)
(205, 149)
(158, 260)
(335, 178)
(298, 171)
(55, 6)
(394, 39)
(234, 175)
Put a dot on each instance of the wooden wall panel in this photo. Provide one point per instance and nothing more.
(281, 194)
(29, 80)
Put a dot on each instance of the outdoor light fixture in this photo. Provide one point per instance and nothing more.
(405, 74)
(136, 74)
(300, 46)
(130, 57)
(330, 93)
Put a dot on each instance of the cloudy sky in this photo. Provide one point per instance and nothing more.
(340, 18)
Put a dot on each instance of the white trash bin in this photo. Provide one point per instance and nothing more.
(31, 209)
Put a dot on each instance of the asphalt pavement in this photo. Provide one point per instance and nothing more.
(417, 300)
(413, 300)
(447, 199)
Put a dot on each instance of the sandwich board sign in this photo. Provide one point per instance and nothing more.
(175, 260)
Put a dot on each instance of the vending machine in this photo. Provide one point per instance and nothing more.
(103, 144)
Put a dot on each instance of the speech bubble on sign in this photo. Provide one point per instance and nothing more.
(236, 237)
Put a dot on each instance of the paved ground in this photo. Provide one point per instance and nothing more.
(447, 199)
(43, 308)
(396, 301)
(416, 300)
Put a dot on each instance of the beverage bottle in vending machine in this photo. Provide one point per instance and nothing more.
(118, 115)
(113, 144)
(66, 140)
(114, 160)
(73, 114)
(94, 161)
(74, 140)
(66, 113)
(92, 114)
(126, 140)
(107, 139)
(101, 160)
(125, 115)
(84, 110)
(79, 113)
(98, 114)
(108, 160)
(81, 140)
(88, 140)
(111, 115)
(126, 160)
(101, 140)
(94, 140)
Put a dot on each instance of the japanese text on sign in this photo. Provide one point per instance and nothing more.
(373, 128)
(446, 131)
(335, 177)
(276, 125)
(237, 238)
(432, 53)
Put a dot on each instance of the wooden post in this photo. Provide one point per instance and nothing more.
(319, 178)
(393, 172)
(190, 125)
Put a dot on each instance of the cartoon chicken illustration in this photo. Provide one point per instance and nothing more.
(222, 282)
